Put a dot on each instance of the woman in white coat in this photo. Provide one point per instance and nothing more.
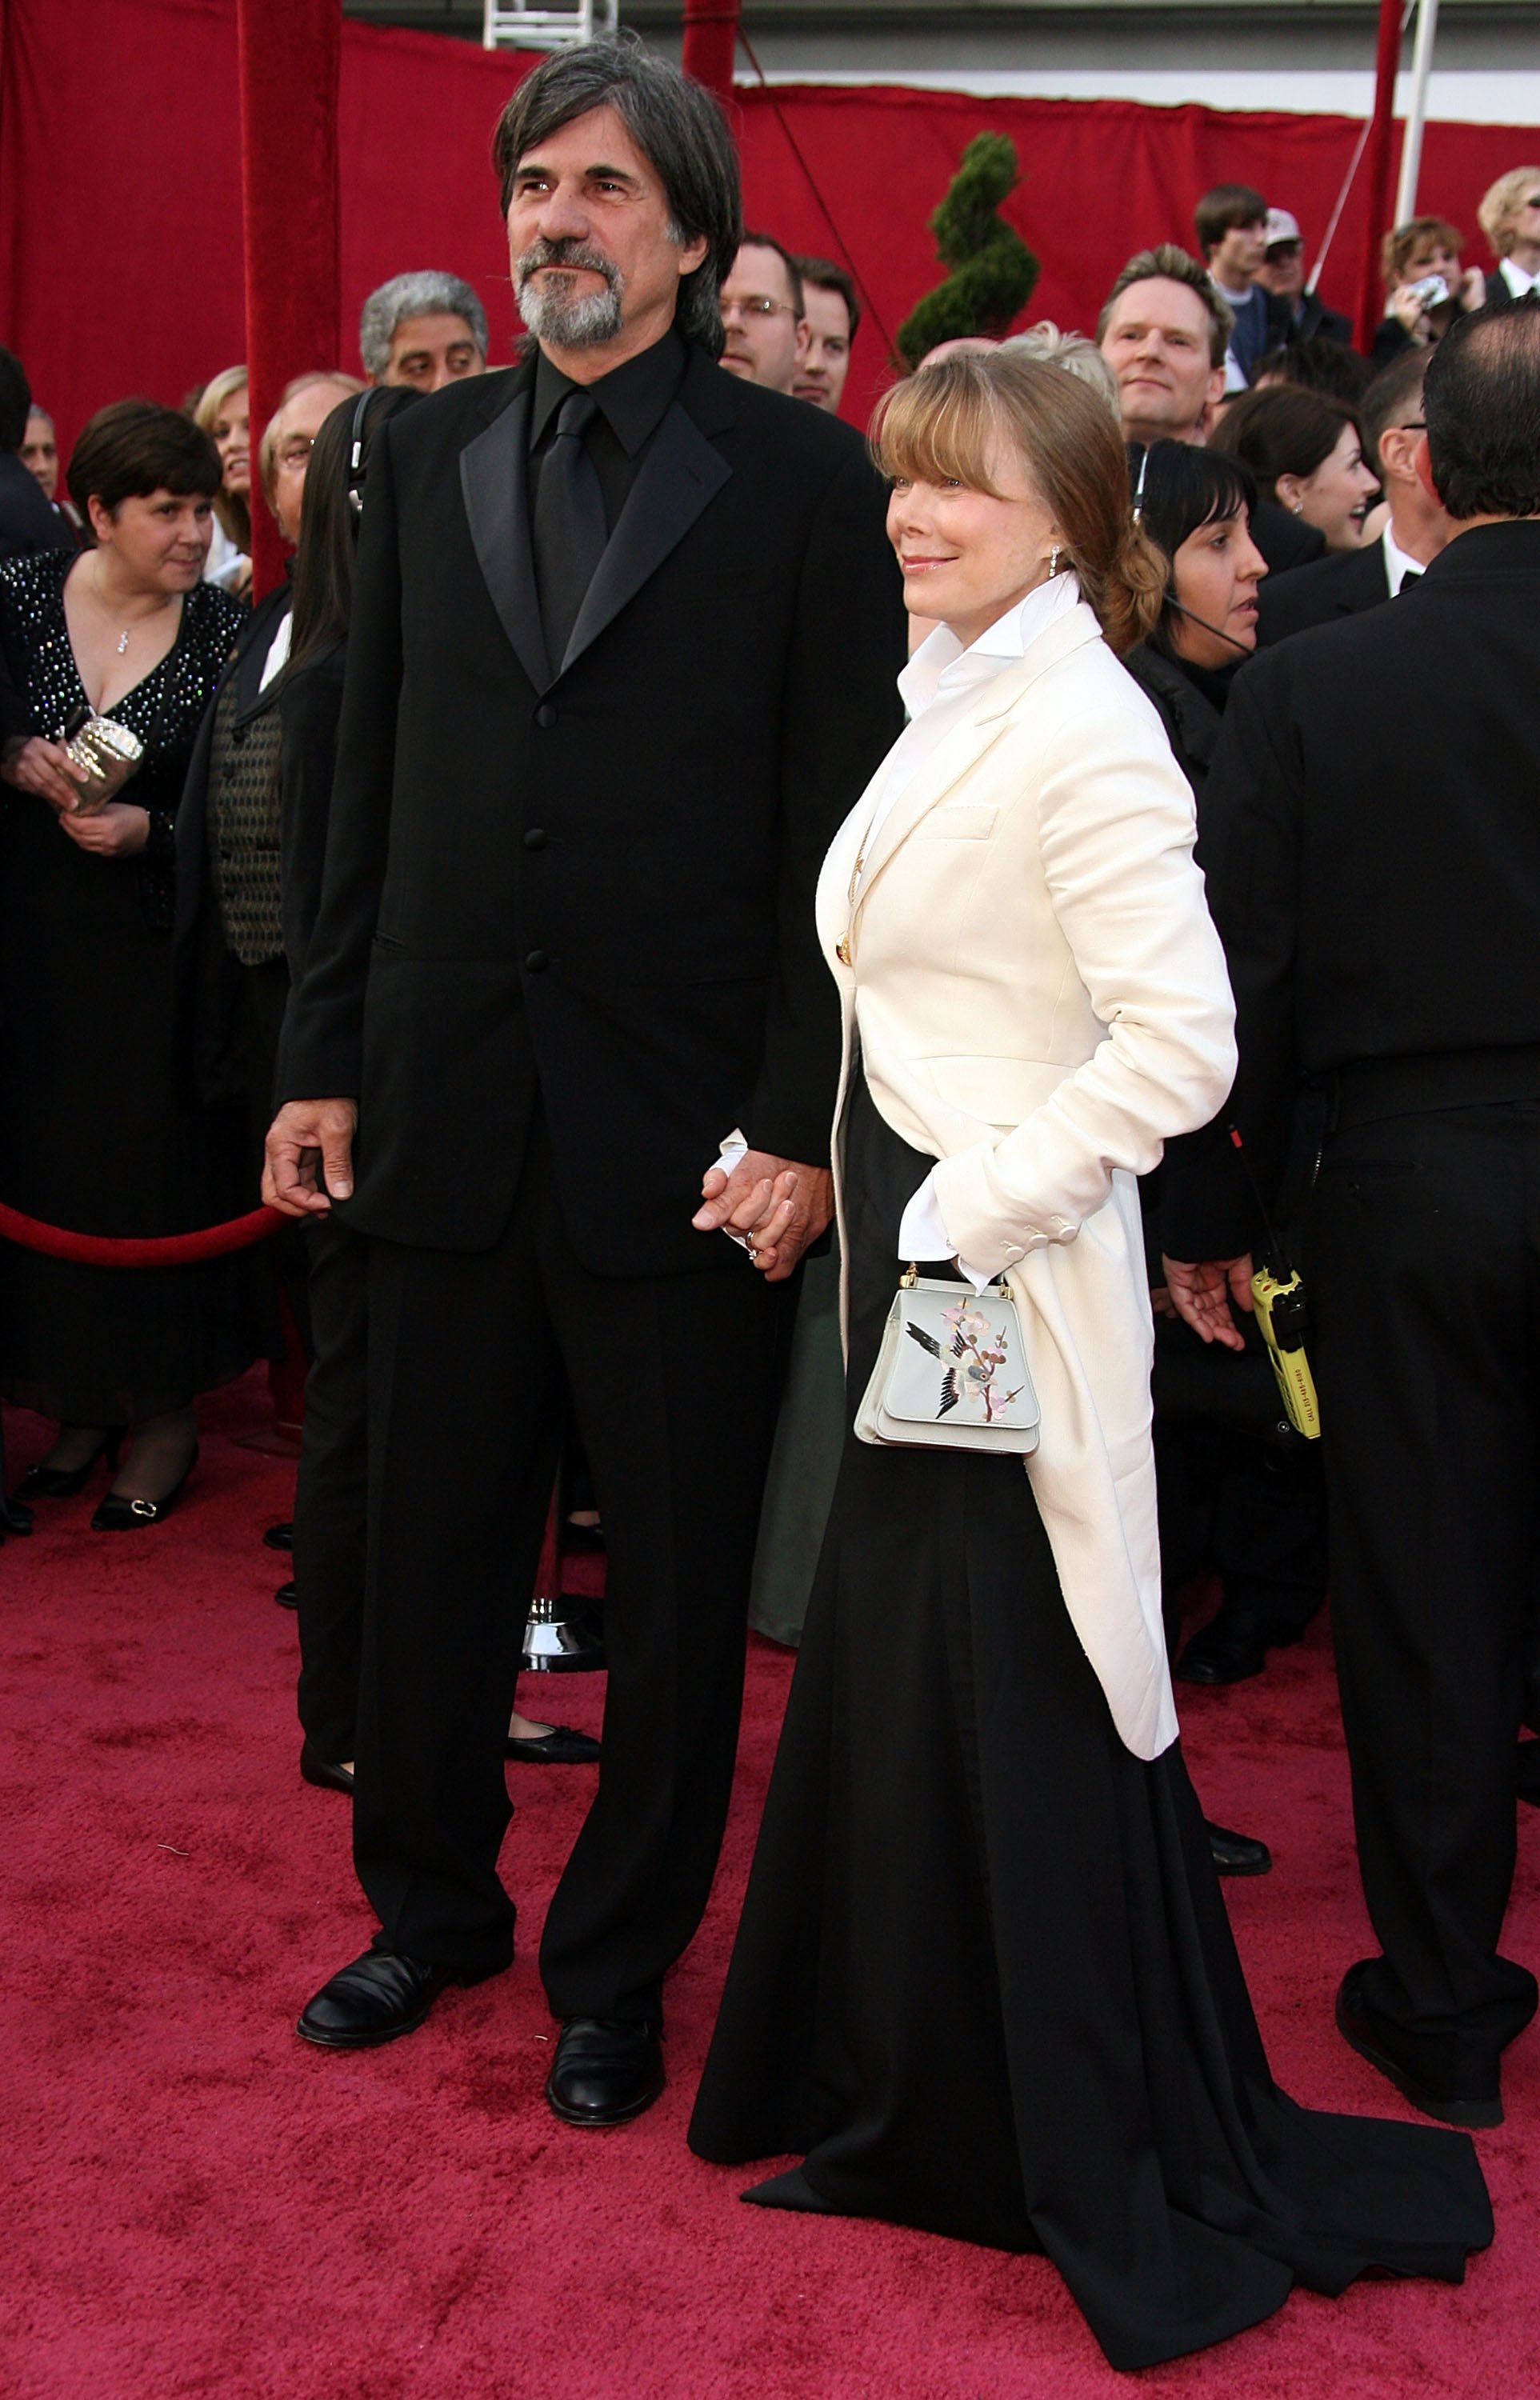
(984, 1983)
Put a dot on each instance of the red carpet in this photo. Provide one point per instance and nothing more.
(199, 2205)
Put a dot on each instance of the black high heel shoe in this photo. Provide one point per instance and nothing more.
(118, 1514)
(63, 1482)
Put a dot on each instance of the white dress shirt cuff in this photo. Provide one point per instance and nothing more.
(733, 1150)
(923, 1233)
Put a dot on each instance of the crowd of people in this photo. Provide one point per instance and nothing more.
(641, 853)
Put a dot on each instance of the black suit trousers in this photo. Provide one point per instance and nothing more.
(331, 1492)
(476, 1360)
(1425, 1258)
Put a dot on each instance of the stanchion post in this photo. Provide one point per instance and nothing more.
(290, 64)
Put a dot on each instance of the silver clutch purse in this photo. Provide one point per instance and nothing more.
(108, 752)
(951, 1373)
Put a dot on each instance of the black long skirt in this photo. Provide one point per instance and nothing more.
(985, 1984)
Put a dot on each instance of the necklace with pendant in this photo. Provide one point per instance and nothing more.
(123, 638)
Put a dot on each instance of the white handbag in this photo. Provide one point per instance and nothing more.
(951, 1373)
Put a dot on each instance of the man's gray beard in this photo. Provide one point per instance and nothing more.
(570, 324)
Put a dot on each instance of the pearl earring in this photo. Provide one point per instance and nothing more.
(1298, 507)
(1053, 560)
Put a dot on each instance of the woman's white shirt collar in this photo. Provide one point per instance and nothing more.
(942, 668)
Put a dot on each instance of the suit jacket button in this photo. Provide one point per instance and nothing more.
(535, 839)
(536, 962)
(546, 714)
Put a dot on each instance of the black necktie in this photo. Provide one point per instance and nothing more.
(570, 533)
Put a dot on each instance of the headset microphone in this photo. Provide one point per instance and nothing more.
(1218, 631)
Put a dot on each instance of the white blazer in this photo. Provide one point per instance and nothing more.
(1042, 1001)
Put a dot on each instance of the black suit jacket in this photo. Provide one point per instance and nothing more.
(1342, 585)
(29, 520)
(310, 705)
(1315, 322)
(1377, 892)
(594, 887)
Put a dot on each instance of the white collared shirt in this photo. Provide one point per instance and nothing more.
(1517, 279)
(277, 650)
(937, 687)
(942, 679)
(1398, 563)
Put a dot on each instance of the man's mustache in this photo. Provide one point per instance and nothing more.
(568, 252)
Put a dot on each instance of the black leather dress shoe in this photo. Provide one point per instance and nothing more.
(1237, 1853)
(561, 1747)
(287, 1594)
(326, 1778)
(118, 1514)
(604, 2072)
(1229, 1649)
(279, 1537)
(377, 1998)
(1479, 2103)
(63, 1482)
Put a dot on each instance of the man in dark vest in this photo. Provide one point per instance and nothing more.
(622, 656)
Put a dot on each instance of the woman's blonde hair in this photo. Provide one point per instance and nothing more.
(1498, 213)
(232, 509)
(945, 423)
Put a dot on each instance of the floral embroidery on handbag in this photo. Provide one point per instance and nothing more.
(978, 1349)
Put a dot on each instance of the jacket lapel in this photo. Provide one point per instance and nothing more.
(495, 483)
(966, 744)
(680, 475)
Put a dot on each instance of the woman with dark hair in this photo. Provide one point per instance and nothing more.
(984, 1983)
(1237, 1496)
(91, 1135)
(1306, 453)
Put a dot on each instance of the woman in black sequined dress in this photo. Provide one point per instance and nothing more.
(91, 1135)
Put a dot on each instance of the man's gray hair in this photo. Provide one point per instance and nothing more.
(1075, 354)
(428, 292)
(1167, 263)
(680, 130)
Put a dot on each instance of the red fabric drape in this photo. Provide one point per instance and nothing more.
(1377, 168)
(290, 55)
(711, 43)
(120, 253)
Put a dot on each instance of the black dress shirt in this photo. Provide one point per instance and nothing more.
(633, 402)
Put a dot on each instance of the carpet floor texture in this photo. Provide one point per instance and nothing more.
(196, 2203)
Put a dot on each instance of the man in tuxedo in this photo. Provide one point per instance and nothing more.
(1373, 868)
(1391, 417)
(1164, 332)
(622, 655)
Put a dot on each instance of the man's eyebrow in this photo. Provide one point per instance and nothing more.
(614, 174)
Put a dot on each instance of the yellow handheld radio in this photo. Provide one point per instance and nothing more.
(1283, 1319)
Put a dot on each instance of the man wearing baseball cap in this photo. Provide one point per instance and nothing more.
(1282, 273)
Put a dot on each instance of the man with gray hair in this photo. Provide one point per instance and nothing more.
(426, 328)
(622, 654)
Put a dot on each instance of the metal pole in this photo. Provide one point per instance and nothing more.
(1411, 145)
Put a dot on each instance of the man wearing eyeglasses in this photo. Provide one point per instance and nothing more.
(1349, 580)
(1509, 216)
(764, 315)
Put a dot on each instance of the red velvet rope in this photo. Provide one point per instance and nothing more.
(154, 1251)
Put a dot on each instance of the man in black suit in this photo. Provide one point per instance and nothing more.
(622, 657)
(1373, 867)
(29, 520)
(1350, 580)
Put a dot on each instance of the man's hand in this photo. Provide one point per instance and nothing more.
(780, 1206)
(304, 1136)
(1205, 1293)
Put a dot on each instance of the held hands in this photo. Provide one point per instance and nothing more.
(304, 1136)
(780, 1206)
(1203, 1295)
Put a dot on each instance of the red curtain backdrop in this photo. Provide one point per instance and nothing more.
(120, 223)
